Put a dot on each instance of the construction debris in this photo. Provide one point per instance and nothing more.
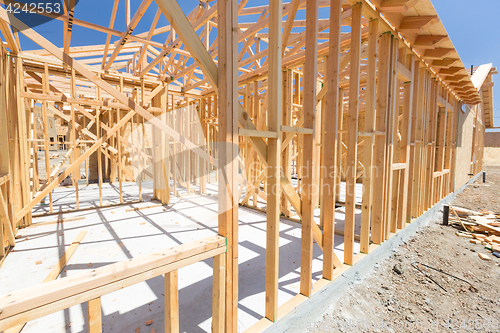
(484, 256)
(464, 234)
(481, 227)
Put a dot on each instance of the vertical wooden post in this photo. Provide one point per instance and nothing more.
(99, 150)
(165, 147)
(390, 194)
(34, 135)
(12, 128)
(187, 152)
(453, 154)
(274, 153)
(87, 160)
(256, 119)
(310, 72)
(202, 142)
(379, 158)
(316, 161)
(112, 142)
(172, 302)
(228, 141)
(338, 148)
(371, 85)
(5, 158)
(5, 168)
(94, 313)
(431, 142)
(218, 293)
(175, 125)
(331, 135)
(2, 240)
(45, 84)
(287, 110)
(417, 162)
(352, 134)
(412, 135)
(404, 156)
(23, 137)
(76, 149)
(119, 134)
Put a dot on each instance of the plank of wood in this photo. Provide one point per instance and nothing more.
(378, 218)
(392, 177)
(331, 137)
(415, 23)
(429, 40)
(307, 209)
(484, 223)
(484, 256)
(465, 235)
(366, 210)
(492, 239)
(94, 314)
(24, 154)
(274, 115)
(228, 133)
(299, 130)
(142, 208)
(289, 23)
(172, 302)
(7, 226)
(57, 269)
(218, 293)
(404, 149)
(352, 130)
(54, 273)
(67, 219)
(404, 74)
(9, 36)
(256, 133)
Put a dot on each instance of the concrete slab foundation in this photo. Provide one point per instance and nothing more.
(115, 234)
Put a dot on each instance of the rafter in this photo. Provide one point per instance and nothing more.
(130, 27)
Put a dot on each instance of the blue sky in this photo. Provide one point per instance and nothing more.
(473, 29)
(471, 25)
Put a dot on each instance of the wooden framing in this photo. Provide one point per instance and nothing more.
(302, 111)
(274, 158)
(309, 107)
(35, 302)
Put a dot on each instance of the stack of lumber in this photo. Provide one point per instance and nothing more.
(481, 227)
(476, 222)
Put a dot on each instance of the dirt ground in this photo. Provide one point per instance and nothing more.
(482, 196)
(403, 295)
